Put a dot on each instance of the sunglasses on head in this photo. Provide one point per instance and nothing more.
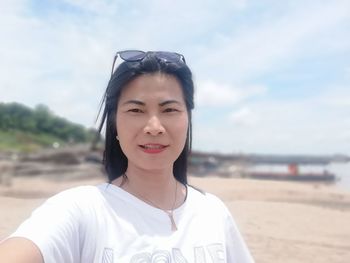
(138, 55)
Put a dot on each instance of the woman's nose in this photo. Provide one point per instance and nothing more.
(154, 126)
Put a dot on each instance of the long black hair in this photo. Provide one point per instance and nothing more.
(114, 160)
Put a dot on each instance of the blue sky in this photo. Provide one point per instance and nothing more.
(271, 76)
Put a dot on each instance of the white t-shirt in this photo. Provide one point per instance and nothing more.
(105, 224)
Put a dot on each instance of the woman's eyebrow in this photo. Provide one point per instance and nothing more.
(141, 103)
(168, 102)
(137, 102)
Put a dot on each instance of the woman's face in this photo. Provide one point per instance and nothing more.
(152, 121)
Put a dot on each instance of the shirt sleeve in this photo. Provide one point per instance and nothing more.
(54, 228)
(236, 248)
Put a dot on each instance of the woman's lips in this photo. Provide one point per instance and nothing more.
(153, 147)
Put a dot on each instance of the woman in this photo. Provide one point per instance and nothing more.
(147, 212)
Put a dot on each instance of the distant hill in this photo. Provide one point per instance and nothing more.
(24, 128)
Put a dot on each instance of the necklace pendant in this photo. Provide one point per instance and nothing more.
(173, 224)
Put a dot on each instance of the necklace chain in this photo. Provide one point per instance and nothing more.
(170, 212)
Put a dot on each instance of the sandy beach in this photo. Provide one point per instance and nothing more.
(280, 221)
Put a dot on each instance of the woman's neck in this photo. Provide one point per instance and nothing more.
(156, 187)
(151, 179)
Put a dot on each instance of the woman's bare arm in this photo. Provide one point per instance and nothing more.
(19, 250)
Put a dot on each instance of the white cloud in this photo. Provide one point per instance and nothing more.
(286, 126)
(278, 41)
(336, 96)
(95, 6)
(210, 93)
(243, 117)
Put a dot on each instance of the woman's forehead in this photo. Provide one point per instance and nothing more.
(155, 86)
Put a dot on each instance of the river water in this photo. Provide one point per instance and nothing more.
(342, 171)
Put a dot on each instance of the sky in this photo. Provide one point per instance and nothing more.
(271, 77)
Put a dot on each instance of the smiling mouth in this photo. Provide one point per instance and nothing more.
(152, 146)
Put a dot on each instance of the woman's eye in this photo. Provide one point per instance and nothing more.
(170, 110)
(135, 110)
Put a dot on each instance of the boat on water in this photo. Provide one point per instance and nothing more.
(311, 177)
(292, 173)
(269, 167)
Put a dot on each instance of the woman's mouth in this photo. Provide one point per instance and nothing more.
(153, 147)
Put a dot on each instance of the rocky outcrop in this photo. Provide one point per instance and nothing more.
(64, 163)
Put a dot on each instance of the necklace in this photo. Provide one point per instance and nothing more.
(170, 212)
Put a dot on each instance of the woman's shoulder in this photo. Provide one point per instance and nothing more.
(77, 196)
(75, 202)
(204, 198)
(82, 191)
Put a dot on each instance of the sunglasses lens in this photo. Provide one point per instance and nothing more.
(132, 55)
(169, 56)
(138, 55)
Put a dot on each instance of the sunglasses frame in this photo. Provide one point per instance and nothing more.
(166, 56)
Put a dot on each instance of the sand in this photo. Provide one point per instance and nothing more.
(280, 221)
